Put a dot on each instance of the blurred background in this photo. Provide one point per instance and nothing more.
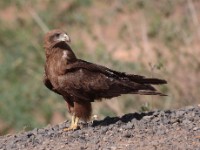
(152, 38)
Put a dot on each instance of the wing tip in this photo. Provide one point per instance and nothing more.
(143, 92)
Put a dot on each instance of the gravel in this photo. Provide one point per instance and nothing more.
(170, 129)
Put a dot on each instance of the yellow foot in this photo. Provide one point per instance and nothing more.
(74, 124)
(72, 128)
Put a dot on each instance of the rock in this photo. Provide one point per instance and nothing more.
(171, 129)
(196, 128)
(127, 134)
(129, 125)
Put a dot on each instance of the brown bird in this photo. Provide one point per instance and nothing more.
(81, 82)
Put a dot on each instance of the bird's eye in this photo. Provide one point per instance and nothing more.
(57, 35)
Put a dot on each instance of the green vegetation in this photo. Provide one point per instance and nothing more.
(137, 36)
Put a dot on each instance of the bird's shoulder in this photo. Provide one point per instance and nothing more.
(85, 65)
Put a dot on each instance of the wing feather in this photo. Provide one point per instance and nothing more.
(90, 81)
(111, 73)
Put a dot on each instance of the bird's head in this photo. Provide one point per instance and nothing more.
(55, 36)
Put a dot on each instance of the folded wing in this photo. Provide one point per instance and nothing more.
(89, 81)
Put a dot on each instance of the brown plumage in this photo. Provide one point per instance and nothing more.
(81, 82)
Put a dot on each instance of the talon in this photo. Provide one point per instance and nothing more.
(73, 128)
(74, 124)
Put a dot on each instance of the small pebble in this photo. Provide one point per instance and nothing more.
(170, 129)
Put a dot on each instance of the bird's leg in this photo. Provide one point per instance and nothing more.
(76, 120)
(74, 124)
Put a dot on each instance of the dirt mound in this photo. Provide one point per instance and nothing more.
(170, 129)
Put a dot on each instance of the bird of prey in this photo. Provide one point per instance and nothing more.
(80, 82)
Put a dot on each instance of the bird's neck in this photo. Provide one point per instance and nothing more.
(61, 48)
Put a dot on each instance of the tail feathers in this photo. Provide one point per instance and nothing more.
(136, 86)
(142, 89)
(145, 92)
(139, 85)
(151, 81)
(146, 87)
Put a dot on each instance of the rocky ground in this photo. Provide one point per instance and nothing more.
(170, 129)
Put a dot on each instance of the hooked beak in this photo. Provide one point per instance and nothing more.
(64, 37)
